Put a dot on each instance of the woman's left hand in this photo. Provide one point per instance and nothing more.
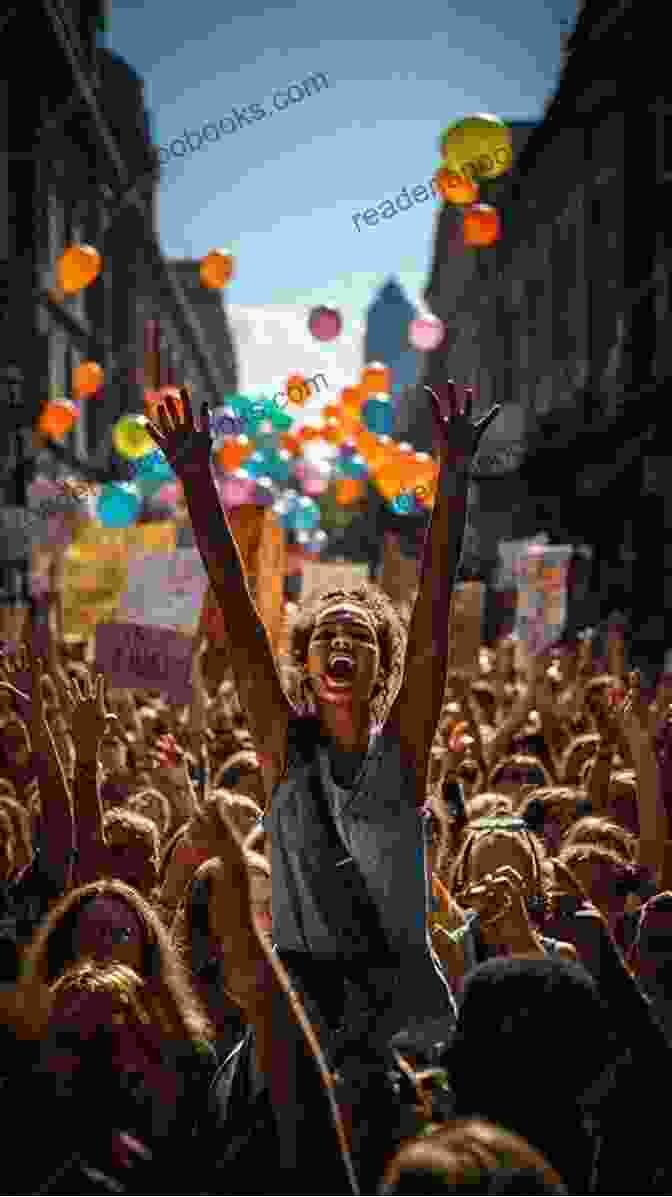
(458, 436)
(499, 899)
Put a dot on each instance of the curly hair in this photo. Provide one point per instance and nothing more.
(139, 801)
(53, 952)
(392, 637)
(605, 833)
(582, 748)
(531, 847)
(20, 819)
(523, 763)
(611, 878)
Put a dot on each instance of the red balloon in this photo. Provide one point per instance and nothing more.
(325, 324)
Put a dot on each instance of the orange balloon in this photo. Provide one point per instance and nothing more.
(376, 378)
(381, 453)
(216, 269)
(87, 378)
(57, 418)
(298, 389)
(331, 411)
(77, 267)
(351, 400)
(389, 480)
(366, 442)
(481, 225)
(310, 432)
(233, 452)
(456, 189)
(333, 431)
(349, 490)
(290, 442)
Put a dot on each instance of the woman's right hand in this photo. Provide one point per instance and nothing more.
(187, 448)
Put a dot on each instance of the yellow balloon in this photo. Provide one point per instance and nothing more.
(130, 437)
(479, 147)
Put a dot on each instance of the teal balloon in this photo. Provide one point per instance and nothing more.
(403, 503)
(256, 465)
(378, 416)
(279, 464)
(280, 420)
(354, 467)
(119, 504)
(306, 515)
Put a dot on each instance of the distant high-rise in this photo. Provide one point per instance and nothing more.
(387, 321)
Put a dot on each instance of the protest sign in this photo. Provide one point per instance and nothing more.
(132, 655)
(164, 590)
(542, 596)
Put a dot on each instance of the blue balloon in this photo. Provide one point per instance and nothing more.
(403, 503)
(119, 503)
(378, 415)
(256, 465)
(306, 515)
(279, 465)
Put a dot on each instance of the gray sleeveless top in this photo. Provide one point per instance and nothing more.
(350, 880)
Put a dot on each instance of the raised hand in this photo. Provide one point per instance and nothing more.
(499, 899)
(458, 436)
(88, 718)
(31, 704)
(186, 447)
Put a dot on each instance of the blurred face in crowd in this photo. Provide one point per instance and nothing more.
(108, 929)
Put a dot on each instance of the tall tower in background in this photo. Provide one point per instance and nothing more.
(386, 340)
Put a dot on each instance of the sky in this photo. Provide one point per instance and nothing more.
(283, 199)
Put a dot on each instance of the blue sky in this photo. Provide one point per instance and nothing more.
(282, 192)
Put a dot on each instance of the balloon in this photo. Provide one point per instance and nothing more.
(224, 422)
(456, 188)
(170, 494)
(87, 378)
(348, 491)
(389, 480)
(324, 323)
(479, 145)
(376, 379)
(313, 487)
(355, 467)
(333, 431)
(233, 451)
(77, 267)
(426, 334)
(378, 414)
(310, 432)
(403, 503)
(281, 420)
(346, 450)
(118, 504)
(237, 489)
(256, 465)
(351, 400)
(216, 269)
(130, 437)
(154, 467)
(298, 390)
(318, 541)
(305, 515)
(380, 452)
(290, 442)
(279, 464)
(481, 225)
(57, 418)
(331, 411)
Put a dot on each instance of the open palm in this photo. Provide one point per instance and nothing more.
(459, 437)
(186, 446)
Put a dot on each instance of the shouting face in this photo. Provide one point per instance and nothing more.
(344, 655)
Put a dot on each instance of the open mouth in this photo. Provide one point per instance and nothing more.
(340, 670)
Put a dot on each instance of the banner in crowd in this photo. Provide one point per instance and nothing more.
(466, 623)
(165, 590)
(262, 545)
(542, 596)
(149, 658)
(336, 575)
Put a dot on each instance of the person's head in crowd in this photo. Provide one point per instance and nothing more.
(372, 660)
(514, 773)
(623, 805)
(113, 754)
(241, 773)
(550, 811)
(7, 846)
(134, 841)
(486, 848)
(15, 750)
(489, 804)
(110, 1032)
(470, 1156)
(241, 809)
(581, 749)
(594, 829)
(486, 702)
(651, 954)
(523, 1019)
(108, 922)
(21, 829)
(155, 806)
(179, 861)
(605, 876)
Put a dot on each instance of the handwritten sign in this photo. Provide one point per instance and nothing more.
(165, 590)
(542, 596)
(132, 655)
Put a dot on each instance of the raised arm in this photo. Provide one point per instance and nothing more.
(260, 691)
(417, 707)
(88, 723)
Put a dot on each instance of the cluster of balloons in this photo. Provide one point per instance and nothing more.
(475, 147)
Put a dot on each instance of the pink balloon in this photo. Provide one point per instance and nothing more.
(325, 324)
(169, 494)
(315, 486)
(426, 333)
(235, 491)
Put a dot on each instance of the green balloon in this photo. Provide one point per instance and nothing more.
(280, 419)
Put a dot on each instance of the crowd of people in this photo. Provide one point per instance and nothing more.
(350, 922)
